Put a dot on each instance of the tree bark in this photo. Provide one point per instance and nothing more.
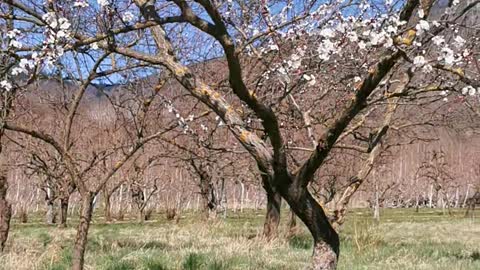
(63, 211)
(51, 215)
(376, 205)
(274, 203)
(108, 207)
(272, 218)
(326, 243)
(5, 212)
(82, 232)
(141, 214)
(292, 224)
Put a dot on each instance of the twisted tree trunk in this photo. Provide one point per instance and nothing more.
(326, 243)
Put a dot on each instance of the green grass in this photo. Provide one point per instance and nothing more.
(402, 239)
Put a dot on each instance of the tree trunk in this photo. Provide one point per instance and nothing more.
(376, 203)
(141, 214)
(417, 204)
(209, 199)
(223, 200)
(64, 211)
(376, 207)
(108, 207)
(82, 232)
(5, 213)
(457, 198)
(292, 224)
(326, 243)
(272, 218)
(466, 197)
(242, 196)
(5, 216)
(274, 204)
(51, 215)
(430, 197)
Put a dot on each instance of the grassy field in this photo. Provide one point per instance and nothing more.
(402, 240)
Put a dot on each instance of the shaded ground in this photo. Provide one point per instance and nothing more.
(403, 240)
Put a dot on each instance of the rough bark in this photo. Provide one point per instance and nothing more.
(272, 218)
(292, 224)
(80, 245)
(207, 191)
(325, 239)
(63, 211)
(5, 212)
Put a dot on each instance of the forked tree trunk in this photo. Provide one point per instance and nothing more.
(64, 211)
(274, 204)
(80, 245)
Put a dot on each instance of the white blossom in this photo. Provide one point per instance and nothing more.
(422, 27)
(438, 40)
(310, 79)
(295, 61)
(6, 85)
(94, 46)
(13, 33)
(326, 49)
(80, 4)
(102, 3)
(362, 45)
(128, 16)
(273, 47)
(327, 33)
(469, 90)
(352, 36)
(51, 19)
(17, 70)
(388, 42)
(64, 24)
(459, 41)
(421, 13)
(376, 38)
(15, 44)
(448, 56)
(427, 68)
(419, 61)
